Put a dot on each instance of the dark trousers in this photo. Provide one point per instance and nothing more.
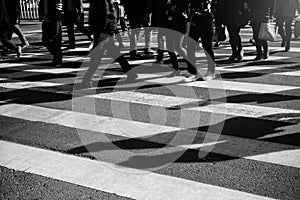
(70, 20)
(201, 27)
(4, 37)
(51, 37)
(234, 37)
(103, 42)
(286, 32)
(259, 43)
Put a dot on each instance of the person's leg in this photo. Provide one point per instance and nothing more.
(170, 43)
(135, 30)
(95, 57)
(56, 45)
(288, 27)
(192, 43)
(148, 33)
(160, 44)
(70, 29)
(18, 31)
(80, 26)
(281, 31)
(232, 40)
(206, 38)
(258, 43)
(8, 44)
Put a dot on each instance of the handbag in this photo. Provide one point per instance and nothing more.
(268, 31)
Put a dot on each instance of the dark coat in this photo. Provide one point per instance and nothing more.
(102, 17)
(261, 10)
(229, 11)
(73, 6)
(4, 21)
(51, 10)
(286, 8)
(136, 7)
(14, 10)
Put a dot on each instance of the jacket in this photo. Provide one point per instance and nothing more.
(102, 17)
(136, 7)
(286, 8)
(261, 10)
(73, 6)
(50, 10)
(4, 21)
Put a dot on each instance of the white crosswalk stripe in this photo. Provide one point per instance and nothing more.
(110, 178)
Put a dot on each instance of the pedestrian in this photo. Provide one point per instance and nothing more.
(232, 14)
(284, 13)
(138, 17)
(14, 11)
(177, 23)
(5, 29)
(260, 11)
(73, 13)
(50, 12)
(102, 21)
(201, 27)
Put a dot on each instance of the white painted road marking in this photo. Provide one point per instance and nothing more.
(110, 178)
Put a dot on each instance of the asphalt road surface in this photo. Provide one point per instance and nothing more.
(158, 137)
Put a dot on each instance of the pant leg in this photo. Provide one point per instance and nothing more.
(281, 31)
(170, 40)
(258, 42)
(70, 28)
(192, 43)
(5, 40)
(288, 28)
(20, 34)
(135, 30)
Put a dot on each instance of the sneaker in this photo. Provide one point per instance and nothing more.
(287, 47)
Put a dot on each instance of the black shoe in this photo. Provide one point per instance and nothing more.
(258, 57)
(252, 41)
(71, 47)
(287, 47)
(283, 43)
(266, 55)
(217, 44)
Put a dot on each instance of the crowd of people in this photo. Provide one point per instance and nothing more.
(181, 25)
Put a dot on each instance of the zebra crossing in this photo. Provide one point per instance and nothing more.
(144, 139)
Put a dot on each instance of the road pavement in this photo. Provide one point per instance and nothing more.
(158, 137)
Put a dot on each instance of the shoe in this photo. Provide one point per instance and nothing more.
(57, 63)
(209, 77)
(258, 57)
(266, 55)
(287, 47)
(283, 43)
(193, 78)
(240, 55)
(26, 44)
(232, 57)
(148, 52)
(134, 55)
(19, 51)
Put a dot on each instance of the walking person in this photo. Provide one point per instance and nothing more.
(231, 13)
(102, 21)
(14, 11)
(73, 13)
(5, 29)
(139, 17)
(201, 27)
(260, 11)
(284, 13)
(50, 12)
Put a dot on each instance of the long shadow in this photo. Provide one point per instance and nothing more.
(32, 97)
(259, 98)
